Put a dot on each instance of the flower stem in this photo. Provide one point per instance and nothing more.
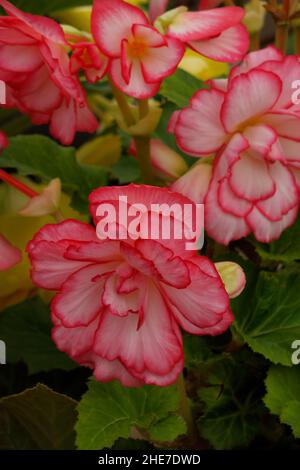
(123, 105)
(186, 413)
(255, 41)
(9, 179)
(297, 40)
(282, 32)
(143, 147)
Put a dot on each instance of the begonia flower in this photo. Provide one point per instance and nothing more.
(121, 301)
(34, 65)
(250, 124)
(140, 56)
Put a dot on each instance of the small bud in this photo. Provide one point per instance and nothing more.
(232, 276)
(46, 203)
(9, 255)
(201, 67)
(168, 164)
(255, 16)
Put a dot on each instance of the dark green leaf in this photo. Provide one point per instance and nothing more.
(180, 87)
(268, 314)
(37, 418)
(38, 155)
(25, 328)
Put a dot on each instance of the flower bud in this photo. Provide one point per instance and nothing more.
(46, 203)
(232, 276)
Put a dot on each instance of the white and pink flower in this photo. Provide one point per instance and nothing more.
(9, 254)
(120, 303)
(34, 65)
(140, 57)
(250, 126)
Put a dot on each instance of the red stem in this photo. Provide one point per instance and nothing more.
(17, 184)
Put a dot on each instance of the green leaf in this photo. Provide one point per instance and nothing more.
(41, 8)
(37, 418)
(168, 429)
(25, 328)
(110, 411)
(267, 315)
(230, 418)
(283, 395)
(40, 156)
(286, 248)
(126, 170)
(196, 350)
(291, 416)
(180, 87)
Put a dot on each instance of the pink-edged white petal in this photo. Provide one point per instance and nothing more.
(170, 267)
(288, 71)
(63, 122)
(94, 252)
(214, 330)
(230, 46)
(39, 25)
(199, 130)
(263, 90)
(9, 254)
(46, 250)
(285, 197)
(222, 225)
(149, 35)
(106, 371)
(17, 58)
(136, 87)
(205, 300)
(194, 184)
(255, 59)
(160, 62)
(154, 347)
(194, 26)
(264, 230)
(230, 202)
(157, 8)
(120, 303)
(74, 341)
(250, 178)
(112, 21)
(261, 138)
(286, 124)
(80, 299)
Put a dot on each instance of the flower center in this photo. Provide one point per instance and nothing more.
(137, 48)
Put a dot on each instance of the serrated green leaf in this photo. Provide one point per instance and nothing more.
(180, 87)
(37, 418)
(229, 418)
(227, 428)
(283, 395)
(283, 386)
(168, 429)
(26, 330)
(285, 249)
(268, 314)
(109, 411)
(291, 415)
(37, 155)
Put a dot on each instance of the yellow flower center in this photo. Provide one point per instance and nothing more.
(137, 48)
